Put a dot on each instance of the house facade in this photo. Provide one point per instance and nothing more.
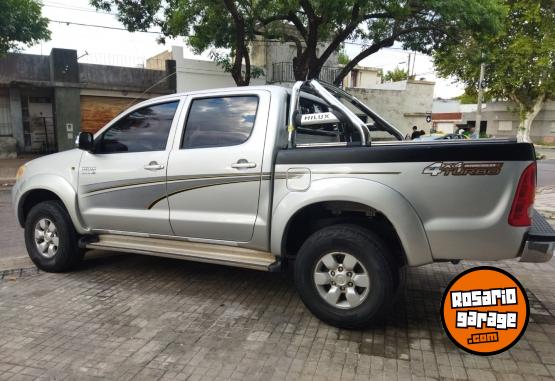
(45, 101)
(363, 77)
(498, 119)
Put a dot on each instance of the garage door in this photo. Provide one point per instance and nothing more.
(97, 111)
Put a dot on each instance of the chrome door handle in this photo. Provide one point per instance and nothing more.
(153, 166)
(242, 164)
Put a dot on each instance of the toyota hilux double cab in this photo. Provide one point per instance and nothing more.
(260, 177)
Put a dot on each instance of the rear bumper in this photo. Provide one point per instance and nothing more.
(539, 242)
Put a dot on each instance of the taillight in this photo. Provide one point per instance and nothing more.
(521, 211)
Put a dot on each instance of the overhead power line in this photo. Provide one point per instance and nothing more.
(399, 49)
(102, 26)
(78, 9)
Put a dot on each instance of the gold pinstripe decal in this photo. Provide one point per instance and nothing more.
(238, 179)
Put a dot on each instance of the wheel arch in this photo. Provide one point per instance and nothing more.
(383, 206)
(45, 188)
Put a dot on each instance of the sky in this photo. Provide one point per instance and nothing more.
(119, 47)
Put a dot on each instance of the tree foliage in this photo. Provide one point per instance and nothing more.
(396, 75)
(317, 28)
(21, 23)
(420, 25)
(470, 96)
(206, 25)
(519, 61)
(342, 57)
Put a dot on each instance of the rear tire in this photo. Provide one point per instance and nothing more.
(344, 277)
(51, 239)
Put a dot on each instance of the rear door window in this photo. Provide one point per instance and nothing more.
(220, 121)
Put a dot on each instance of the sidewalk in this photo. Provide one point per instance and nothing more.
(545, 202)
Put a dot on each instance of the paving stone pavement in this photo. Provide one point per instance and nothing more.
(145, 318)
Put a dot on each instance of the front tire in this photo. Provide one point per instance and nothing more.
(344, 277)
(51, 239)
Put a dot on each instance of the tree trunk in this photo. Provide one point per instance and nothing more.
(526, 119)
(300, 68)
(237, 70)
(241, 50)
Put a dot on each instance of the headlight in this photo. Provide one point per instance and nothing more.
(20, 172)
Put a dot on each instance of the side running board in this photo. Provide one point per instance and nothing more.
(193, 251)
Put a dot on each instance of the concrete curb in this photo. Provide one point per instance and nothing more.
(549, 214)
(15, 264)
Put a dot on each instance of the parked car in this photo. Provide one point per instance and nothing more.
(257, 177)
(441, 137)
(452, 136)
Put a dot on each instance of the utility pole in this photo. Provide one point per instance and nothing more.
(476, 134)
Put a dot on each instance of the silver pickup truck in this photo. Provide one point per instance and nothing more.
(260, 177)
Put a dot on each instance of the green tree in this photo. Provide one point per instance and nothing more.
(396, 75)
(519, 61)
(420, 25)
(206, 25)
(318, 28)
(342, 57)
(470, 96)
(21, 23)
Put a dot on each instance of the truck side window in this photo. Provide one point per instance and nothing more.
(143, 130)
(220, 121)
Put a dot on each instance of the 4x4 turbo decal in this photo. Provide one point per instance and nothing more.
(463, 169)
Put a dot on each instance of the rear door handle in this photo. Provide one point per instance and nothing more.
(242, 164)
(153, 166)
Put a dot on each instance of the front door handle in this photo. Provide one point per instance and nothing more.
(153, 166)
(242, 164)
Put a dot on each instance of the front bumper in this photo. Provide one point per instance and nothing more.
(539, 242)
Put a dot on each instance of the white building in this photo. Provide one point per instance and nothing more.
(499, 119)
(197, 74)
(363, 77)
(404, 104)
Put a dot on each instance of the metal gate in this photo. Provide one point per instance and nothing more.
(39, 130)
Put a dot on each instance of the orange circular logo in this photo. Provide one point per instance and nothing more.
(485, 310)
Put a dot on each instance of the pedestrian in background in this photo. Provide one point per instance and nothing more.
(415, 133)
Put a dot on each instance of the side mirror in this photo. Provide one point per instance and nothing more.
(85, 141)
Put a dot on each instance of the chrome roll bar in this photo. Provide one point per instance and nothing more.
(293, 106)
(333, 101)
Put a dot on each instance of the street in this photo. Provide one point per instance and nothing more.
(546, 172)
(12, 235)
